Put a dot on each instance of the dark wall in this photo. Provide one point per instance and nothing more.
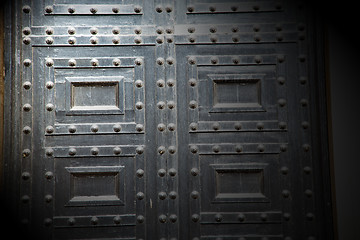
(344, 69)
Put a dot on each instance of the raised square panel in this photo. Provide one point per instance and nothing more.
(98, 185)
(94, 95)
(236, 92)
(239, 183)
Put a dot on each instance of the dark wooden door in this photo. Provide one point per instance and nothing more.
(165, 119)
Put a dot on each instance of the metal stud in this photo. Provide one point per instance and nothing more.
(160, 83)
(72, 129)
(139, 127)
(173, 218)
(263, 217)
(26, 9)
(94, 40)
(140, 173)
(27, 130)
(192, 82)
(49, 175)
(170, 61)
(49, 107)
(72, 151)
(25, 199)
(49, 152)
(172, 149)
(171, 126)
(172, 195)
(27, 85)
(162, 172)
(71, 30)
(171, 104)
(94, 220)
(49, 40)
(285, 193)
(162, 195)
(162, 218)
(72, 40)
(94, 62)
(71, 10)
(117, 150)
(194, 194)
(138, 61)
(238, 148)
(49, 129)
(218, 217)
(117, 220)
(195, 217)
(93, 10)
(138, 83)
(72, 62)
(49, 85)
(258, 59)
(194, 149)
(139, 150)
(94, 151)
(47, 222)
(140, 218)
(139, 105)
(27, 62)
(115, 10)
(161, 150)
(27, 107)
(26, 152)
(140, 195)
(260, 126)
(49, 9)
(25, 175)
(26, 31)
(137, 9)
(161, 127)
(192, 60)
(261, 148)
(170, 82)
(194, 172)
(193, 126)
(190, 8)
(192, 104)
(49, 62)
(216, 148)
(241, 217)
(284, 170)
(237, 126)
(138, 40)
(214, 60)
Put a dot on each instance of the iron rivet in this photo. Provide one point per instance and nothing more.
(72, 129)
(94, 151)
(26, 152)
(308, 193)
(192, 60)
(213, 29)
(49, 85)
(260, 126)
(49, 152)
(168, 9)
(93, 10)
(26, 130)
(25, 175)
(27, 62)
(171, 104)
(161, 150)
(172, 195)
(49, 40)
(72, 40)
(159, 40)
(49, 9)
(162, 195)
(137, 30)
(138, 61)
(137, 9)
(160, 61)
(115, 30)
(115, 10)
(169, 30)
(139, 150)
(94, 62)
(235, 60)
(71, 30)
(138, 40)
(278, 6)
(162, 218)
(310, 216)
(192, 40)
(218, 217)
(49, 107)
(71, 10)
(305, 125)
(193, 126)
(285, 193)
(194, 149)
(195, 217)
(235, 39)
(140, 195)
(161, 105)
(213, 39)
(160, 83)
(281, 80)
(25, 199)
(49, 175)
(49, 62)
(27, 85)
(307, 170)
(94, 220)
(169, 39)
(214, 60)
(172, 171)
(190, 8)
(173, 218)
(161, 127)
(287, 216)
(47, 222)
(117, 128)
(282, 102)
(234, 29)
(283, 147)
(261, 148)
(94, 40)
(139, 105)
(257, 59)
(302, 58)
(279, 37)
(238, 148)
(284, 170)
(234, 8)
(72, 62)
(139, 127)
(49, 129)
(170, 82)
(241, 217)
(194, 194)
(140, 219)
(192, 82)
(256, 27)
(140, 173)
(171, 126)
(116, 40)
(263, 217)
(301, 27)
(278, 27)
(138, 83)
(194, 172)
(72, 151)
(216, 148)
(26, 31)
(160, 30)
(161, 172)
(212, 9)
(26, 9)
(256, 7)
(27, 107)
(193, 104)
(303, 80)
(282, 125)
(257, 38)
(237, 126)
(170, 61)
(117, 150)
(117, 219)
(94, 30)
(302, 36)
(191, 30)
(303, 102)
(172, 149)
(306, 147)
(281, 58)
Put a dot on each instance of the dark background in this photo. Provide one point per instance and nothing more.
(341, 22)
